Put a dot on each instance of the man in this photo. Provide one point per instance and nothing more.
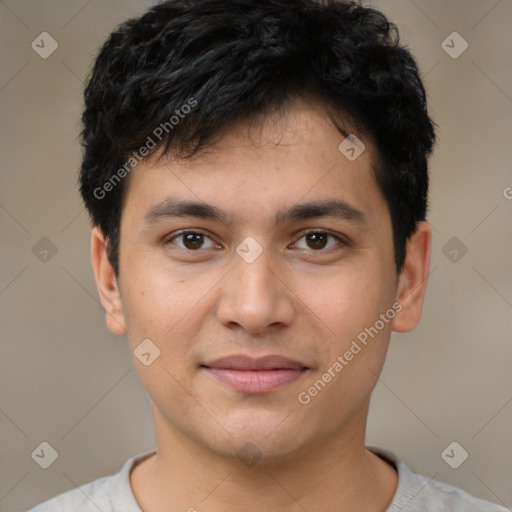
(256, 174)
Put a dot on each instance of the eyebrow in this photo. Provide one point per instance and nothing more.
(178, 208)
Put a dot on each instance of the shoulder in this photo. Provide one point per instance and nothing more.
(447, 497)
(87, 498)
(416, 493)
(109, 494)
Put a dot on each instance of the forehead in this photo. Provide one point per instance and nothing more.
(277, 158)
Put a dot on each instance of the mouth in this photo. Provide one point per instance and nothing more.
(250, 375)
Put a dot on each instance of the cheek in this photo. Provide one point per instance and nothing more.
(153, 297)
(353, 357)
(351, 300)
(168, 308)
(167, 314)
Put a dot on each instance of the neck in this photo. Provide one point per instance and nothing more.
(333, 474)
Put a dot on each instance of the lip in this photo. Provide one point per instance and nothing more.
(242, 362)
(255, 375)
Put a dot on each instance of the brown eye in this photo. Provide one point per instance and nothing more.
(191, 240)
(318, 240)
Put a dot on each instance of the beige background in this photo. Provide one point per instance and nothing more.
(66, 380)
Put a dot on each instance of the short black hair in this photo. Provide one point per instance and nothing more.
(186, 69)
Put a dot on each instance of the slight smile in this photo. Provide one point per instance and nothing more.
(255, 375)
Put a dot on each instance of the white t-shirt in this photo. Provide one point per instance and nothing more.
(414, 493)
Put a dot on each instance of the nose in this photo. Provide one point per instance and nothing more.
(256, 296)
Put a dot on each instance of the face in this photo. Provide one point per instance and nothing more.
(290, 256)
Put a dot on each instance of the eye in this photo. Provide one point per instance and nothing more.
(318, 240)
(191, 240)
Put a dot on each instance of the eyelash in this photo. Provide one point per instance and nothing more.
(172, 237)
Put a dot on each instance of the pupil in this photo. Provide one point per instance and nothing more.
(319, 240)
(190, 243)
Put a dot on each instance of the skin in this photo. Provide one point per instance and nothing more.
(296, 299)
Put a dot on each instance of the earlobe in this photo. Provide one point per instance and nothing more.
(106, 282)
(412, 282)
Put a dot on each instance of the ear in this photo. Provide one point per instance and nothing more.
(106, 282)
(412, 282)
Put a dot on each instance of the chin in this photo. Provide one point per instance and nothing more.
(260, 440)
